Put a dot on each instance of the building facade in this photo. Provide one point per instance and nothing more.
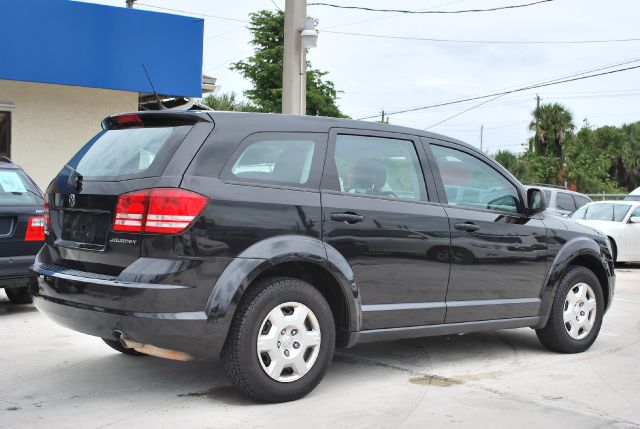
(65, 65)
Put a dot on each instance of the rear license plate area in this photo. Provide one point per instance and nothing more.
(86, 227)
(6, 226)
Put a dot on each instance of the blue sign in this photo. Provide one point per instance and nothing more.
(83, 44)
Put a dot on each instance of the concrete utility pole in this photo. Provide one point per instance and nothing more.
(535, 137)
(294, 73)
(481, 136)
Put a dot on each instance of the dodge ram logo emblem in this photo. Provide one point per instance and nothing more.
(72, 200)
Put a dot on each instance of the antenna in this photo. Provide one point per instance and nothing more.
(160, 105)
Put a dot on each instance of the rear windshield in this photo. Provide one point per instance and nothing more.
(17, 190)
(128, 153)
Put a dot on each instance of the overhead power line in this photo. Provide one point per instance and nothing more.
(193, 13)
(465, 111)
(506, 42)
(541, 85)
(369, 9)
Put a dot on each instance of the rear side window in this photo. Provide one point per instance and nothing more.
(379, 166)
(565, 202)
(128, 153)
(286, 159)
(17, 190)
(620, 211)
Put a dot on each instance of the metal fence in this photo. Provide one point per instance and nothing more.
(607, 196)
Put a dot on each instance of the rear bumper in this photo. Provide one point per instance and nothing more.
(185, 332)
(169, 316)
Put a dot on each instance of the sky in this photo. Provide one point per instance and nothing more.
(391, 74)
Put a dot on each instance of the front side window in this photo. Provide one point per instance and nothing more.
(275, 159)
(565, 202)
(469, 182)
(379, 166)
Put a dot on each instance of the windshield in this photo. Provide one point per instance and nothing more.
(602, 211)
(17, 190)
(128, 153)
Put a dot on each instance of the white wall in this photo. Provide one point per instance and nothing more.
(50, 123)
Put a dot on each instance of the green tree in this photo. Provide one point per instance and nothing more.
(514, 164)
(552, 124)
(264, 70)
(589, 160)
(228, 102)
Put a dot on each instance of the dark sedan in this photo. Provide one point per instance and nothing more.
(21, 230)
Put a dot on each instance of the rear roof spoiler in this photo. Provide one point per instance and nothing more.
(153, 119)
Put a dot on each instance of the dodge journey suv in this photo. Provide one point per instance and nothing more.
(269, 240)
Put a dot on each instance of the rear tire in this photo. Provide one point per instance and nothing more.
(117, 345)
(281, 340)
(576, 313)
(19, 295)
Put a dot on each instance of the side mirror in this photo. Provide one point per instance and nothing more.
(535, 201)
(634, 219)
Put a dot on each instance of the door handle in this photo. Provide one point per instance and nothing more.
(467, 226)
(347, 217)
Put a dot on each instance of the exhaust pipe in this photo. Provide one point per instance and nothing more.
(150, 349)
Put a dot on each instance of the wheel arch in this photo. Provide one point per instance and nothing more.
(302, 257)
(581, 251)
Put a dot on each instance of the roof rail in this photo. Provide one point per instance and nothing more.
(4, 159)
(546, 185)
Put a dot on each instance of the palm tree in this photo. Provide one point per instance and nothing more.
(228, 102)
(553, 125)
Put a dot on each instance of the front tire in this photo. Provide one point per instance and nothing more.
(19, 295)
(576, 313)
(281, 340)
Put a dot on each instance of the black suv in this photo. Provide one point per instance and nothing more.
(21, 230)
(269, 240)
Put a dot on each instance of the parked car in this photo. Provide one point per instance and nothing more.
(633, 195)
(618, 220)
(561, 200)
(269, 240)
(21, 230)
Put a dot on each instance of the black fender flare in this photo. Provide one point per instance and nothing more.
(572, 249)
(246, 267)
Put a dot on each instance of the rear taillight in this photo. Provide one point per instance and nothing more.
(47, 216)
(35, 229)
(160, 211)
(130, 211)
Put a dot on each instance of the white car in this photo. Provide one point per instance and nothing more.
(620, 221)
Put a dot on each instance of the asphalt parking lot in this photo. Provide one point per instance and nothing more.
(55, 378)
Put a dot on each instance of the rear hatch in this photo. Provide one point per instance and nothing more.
(21, 214)
(89, 226)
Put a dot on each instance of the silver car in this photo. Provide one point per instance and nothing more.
(561, 200)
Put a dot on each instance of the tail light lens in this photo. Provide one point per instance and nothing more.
(35, 229)
(47, 217)
(130, 211)
(161, 211)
